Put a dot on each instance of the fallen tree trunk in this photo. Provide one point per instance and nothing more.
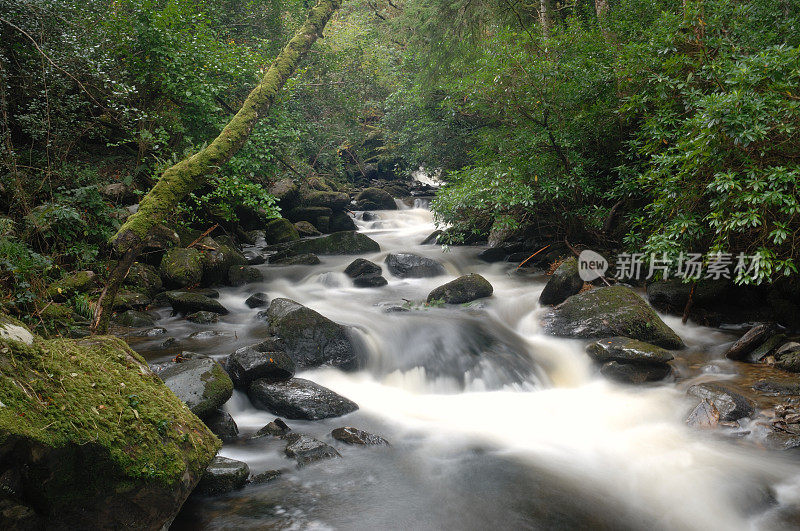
(190, 173)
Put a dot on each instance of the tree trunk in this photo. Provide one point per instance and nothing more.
(187, 175)
(546, 16)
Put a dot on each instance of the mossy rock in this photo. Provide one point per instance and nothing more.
(57, 312)
(134, 319)
(340, 243)
(607, 312)
(285, 191)
(280, 230)
(186, 302)
(563, 283)
(243, 274)
(201, 383)
(297, 259)
(144, 278)
(314, 215)
(78, 282)
(218, 257)
(336, 201)
(98, 441)
(464, 289)
(627, 350)
(181, 267)
(306, 229)
(341, 221)
(375, 199)
(131, 300)
(319, 184)
(223, 475)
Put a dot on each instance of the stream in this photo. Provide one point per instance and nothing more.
(492, 424)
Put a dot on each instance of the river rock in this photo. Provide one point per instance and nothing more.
(257, 300)
(564, 282)
(704, 415)
(730, 404)
(265, 477)
(280, 230)
(108, 449)
(276, 428)
(201, 383)
(254, 258)
(627, 350)
(375, 199)
(240, 275)
(361, 266)
(299, 399)
(222, 425)
(348, 242)
(350, 435)
(218, 259)
(608, 312)
(247, 364)
(203, 317)
(306, 449)
(306, 229)
(310, 338)
(788, 357)
(223, 475)
(408, 265)
(370, 281)
(134, 319)
(66, 287)
(464, 289)
(493, 254)
(432, 238)
(143, 278)
(286, 192)
(130, 300)
(336, 201)
(191, 302)
(341, 222)
(299, 259)
(750, 341)
(635, 373)
(181, 267)
(766, 348)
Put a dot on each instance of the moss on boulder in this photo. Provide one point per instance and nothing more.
(94, 437)
(280, 230)
(306, 229)
(143, 278)
(219, 256)
(564, 282)
(375, 199)
(607, 312)
(347, 242)
(78, 282)
(181, 267)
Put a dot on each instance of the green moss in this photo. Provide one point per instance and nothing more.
(182, 267)
(97, 396)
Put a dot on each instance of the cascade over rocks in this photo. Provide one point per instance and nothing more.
(607, 312)
(201, 383)
(464, 289)
(564, 282)
(310, 338)
(299, 399)
(83, 461)
(409, 265)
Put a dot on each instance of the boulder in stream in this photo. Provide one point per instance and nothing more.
(730, 404)
(297, 259)
(635, 373)
(787, 357)
(218, 259)
(134, 319)
(751, 340)
(203, 317)
(607, 312)
(201, 383)
(627, 350)
(306, 449)
(563, 283)
(280, 230)
(223, 475)
(191, 302)
(306, 229)
(375, 199)
(350, 435)
(346, 242)
(181, 267)
(239, 275)
(248, 364)
(112, 448)
(409, 265)
(464, 289)
(299, 399)
(365, 274)
(310, 338)
(257, 300)
(221, 423)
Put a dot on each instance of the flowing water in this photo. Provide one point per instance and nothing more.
(492, 423)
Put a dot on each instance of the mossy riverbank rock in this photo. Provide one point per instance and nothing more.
(340, 243)
(78, 282)
(306, 229)
(607, 312)
(144, 278)
(563, 283)
(310, 338)
(91, 438)
(464, 289)
(181, 267)
(333, 200)
(280, 230)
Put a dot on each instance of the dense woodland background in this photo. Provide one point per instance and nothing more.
(646, 125)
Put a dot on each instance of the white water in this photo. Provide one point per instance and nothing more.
(530, 437)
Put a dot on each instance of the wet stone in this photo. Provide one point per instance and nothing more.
(276, 428)
(350, 435)
(257, 300)
(223, 475)
(265, 477)
(306, 449)
(203, 317)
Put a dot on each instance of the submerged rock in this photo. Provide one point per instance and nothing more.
(464, 289)
(201, 383)
(191, 302)
(276, 428)
(409, 265)
(607, 312)
(248, 364)
(730, 404)
(223, 475)
(350, 435)
(112, 449)
(563, 283)
(299, 399)
(221, 423)
(310, 338)
(306, 449)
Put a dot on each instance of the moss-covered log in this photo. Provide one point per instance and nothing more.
(190, 173)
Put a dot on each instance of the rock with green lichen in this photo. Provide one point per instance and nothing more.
(240, 275)
(201, 383)
(185, 302)
(143, 278)
(336, 201)
(131, 300)
(298, 259)
(375, 199)
(218, 257)
(313, 215)
(341, 221)
(607, 312)
(57, 312)
(306, 229)
(78, 282)
(280, 230)
(134, 319)
(95, 438)
(336, 243)
(181, 267)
